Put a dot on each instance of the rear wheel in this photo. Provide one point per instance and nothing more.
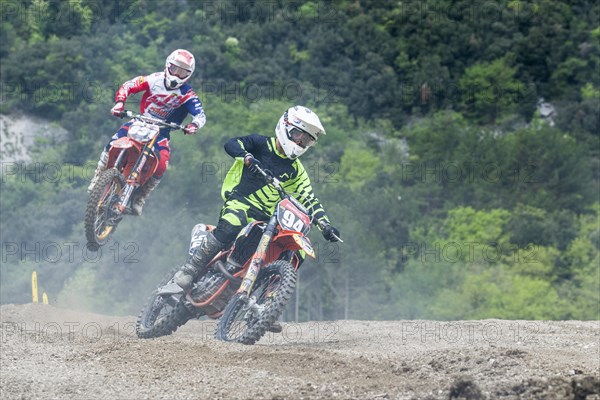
(162, 315)
(99, 211)
(246, 318)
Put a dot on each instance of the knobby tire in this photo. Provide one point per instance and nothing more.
(147, 325)
(108, 177)
(274, 306)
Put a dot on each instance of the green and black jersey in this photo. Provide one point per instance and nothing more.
(251, 189)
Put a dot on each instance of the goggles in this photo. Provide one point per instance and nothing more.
(300, 137)
(179, 72)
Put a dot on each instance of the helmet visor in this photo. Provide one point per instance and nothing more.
(179, 72)
(300, 137)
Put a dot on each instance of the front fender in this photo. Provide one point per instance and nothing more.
(296, 241)
(123, 143)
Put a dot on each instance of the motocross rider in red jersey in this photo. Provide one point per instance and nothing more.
(166, 96)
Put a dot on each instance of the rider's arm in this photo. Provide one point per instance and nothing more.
(302, 189)
(239, 147)
(194, 107)
(135, 85)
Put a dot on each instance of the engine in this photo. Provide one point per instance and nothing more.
(208, 285)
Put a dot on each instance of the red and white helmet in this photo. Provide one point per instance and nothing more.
(298, 129)
(179, 67)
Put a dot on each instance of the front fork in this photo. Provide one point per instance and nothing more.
(258, 259)
(133, 177)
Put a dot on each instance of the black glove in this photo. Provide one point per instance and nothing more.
(252, 163)
(329, 231)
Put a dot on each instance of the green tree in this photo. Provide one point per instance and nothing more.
(490, 91)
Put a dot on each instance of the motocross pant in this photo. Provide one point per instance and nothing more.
(235, 215)
(233, 218)
(161, 148)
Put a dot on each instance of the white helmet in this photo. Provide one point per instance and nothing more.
(179, 67)
(297, 130)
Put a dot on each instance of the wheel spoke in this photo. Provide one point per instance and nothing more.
(99, 214)
(245, 316)
(247, 321)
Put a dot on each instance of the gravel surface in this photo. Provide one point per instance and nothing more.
(52, 353)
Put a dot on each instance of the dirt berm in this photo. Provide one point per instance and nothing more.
(52, 353)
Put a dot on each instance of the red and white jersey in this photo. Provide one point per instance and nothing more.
(160, 102)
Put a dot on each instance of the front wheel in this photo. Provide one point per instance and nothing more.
(99, 211)
(246, 318)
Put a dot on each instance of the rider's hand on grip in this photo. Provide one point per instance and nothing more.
(190, 129)
(252, 163)
(117, 109)
(330, 233)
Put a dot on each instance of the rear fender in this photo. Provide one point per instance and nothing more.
(242, 251)
(170, 288)
(199, 233)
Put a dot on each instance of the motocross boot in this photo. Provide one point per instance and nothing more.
(99, 169)
(143, 192)
(209, 248)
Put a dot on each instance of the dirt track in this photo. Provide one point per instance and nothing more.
(49, 352)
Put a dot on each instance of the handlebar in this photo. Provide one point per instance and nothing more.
(151, 120)
(285, 195)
